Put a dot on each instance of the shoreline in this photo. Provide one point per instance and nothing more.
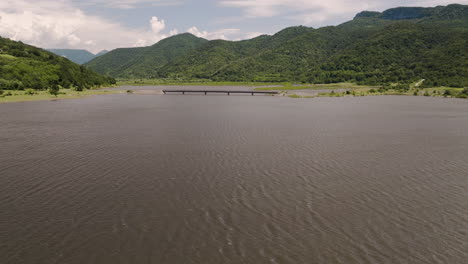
(18, 96)
(296, 91)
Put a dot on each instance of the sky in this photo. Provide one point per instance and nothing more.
(97, 25)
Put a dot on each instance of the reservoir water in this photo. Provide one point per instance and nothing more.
(234, 179)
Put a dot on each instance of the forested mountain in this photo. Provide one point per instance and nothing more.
(24, 66)
(145, 61)
(76, 55)
(399, 45)
(209, 58)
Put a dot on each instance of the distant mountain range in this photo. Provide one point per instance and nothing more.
(24, 66)
(77, 55)
(399, 45)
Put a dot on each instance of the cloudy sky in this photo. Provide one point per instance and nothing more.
(107, 24)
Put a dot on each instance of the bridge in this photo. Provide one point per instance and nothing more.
(220, 92)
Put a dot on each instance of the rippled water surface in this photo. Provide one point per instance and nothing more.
(234, 179)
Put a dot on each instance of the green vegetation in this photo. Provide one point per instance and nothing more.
(23, 96)
(294, 96)
(398, 46)
(300, 96)
(144, 62)
(393, 90)
(54, 90)
(29, 92)
(26, 67)
(329, 86)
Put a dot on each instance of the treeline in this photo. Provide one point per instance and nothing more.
(23, 66)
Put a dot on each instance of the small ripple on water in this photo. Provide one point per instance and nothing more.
(260, 180)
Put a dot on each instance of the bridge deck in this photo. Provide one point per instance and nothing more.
(220, 91)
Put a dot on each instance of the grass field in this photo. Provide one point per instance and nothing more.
(331, 86)
(144, 82)
(21, 96)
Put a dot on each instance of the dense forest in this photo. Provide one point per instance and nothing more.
(145, 61)
(399, 45)
(23, 66)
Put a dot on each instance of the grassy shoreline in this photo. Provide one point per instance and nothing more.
(286, 89)
(22, 96)
(331, 86)
(445, 92)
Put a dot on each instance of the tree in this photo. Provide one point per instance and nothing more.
(54, 90)
(447, 93)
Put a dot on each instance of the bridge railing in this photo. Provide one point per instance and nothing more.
(220, 91)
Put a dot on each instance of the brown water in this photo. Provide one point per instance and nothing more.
(234, 179)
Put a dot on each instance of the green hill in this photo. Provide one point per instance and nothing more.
(205, 61)
(402, 52)
(403, 45)
(24, 66)
(145, 61)
(450, 12)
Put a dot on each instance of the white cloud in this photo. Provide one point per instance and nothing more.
(319, 12)
(157, 25)
(307, 11)
(58, 24)
(219, 34)
(234, 34)
(251, 35)
(127, 4)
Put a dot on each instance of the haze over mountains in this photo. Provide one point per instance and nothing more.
(403, 44)
(77, 55)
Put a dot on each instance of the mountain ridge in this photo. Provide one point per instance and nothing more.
(328, 54)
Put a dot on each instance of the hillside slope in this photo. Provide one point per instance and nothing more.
(208, 59)
(24, 66)
(145, 61)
